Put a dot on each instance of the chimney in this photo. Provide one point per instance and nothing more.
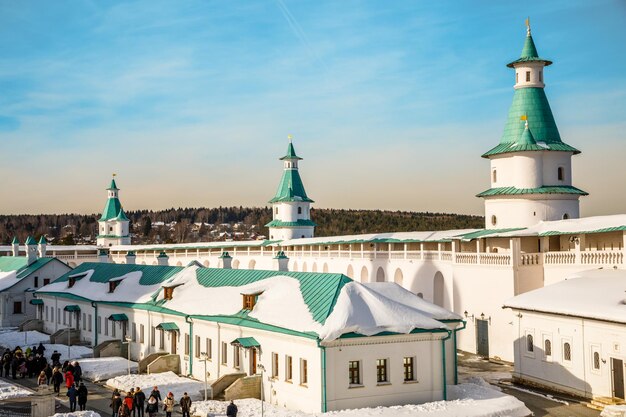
(281, 262)
(42, 246)
(163, 259)
(15, 246)
(31, 250)
(103, 256)
(130, 258)
(225, 261)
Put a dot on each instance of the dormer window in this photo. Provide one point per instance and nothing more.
(168, 293)
(249, 300)
(113, 285)
(71, 281)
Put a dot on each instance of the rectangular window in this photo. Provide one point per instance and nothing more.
(58, 315)
(64, 317)
(354, 372)
(106, 327)
(274, 365)
(516, 78)
(409, 368)
(36, 282)
(141, 333)
(112, 328)
(99, 325)
(153, 336)
(46, 281)
(540, 76)
(161, 339)
(527, 76)
(89, 323)
(288, 368)
(197, 346)
(187, 344)
(70, 318)
(17, 307)
(304, 372)
(84, 321)
(381, 371)
(236, 357)
(46, 313)
(133, 332)
(224, 353)
(209, 348)
(52, 314)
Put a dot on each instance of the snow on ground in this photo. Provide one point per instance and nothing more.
(614, 411)
(8, 390)
(13, 338)
(100, 369)
(466, 400)
(76, 351)
(87, 413)
(166, 381)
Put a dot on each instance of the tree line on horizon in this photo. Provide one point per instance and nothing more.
(182, 225)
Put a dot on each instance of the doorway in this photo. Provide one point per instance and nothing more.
(617, 372)
(253, 362)
(482, 337)
(173, 337)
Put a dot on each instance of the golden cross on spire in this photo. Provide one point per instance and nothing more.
(290, 137)
(528, 26)
(114, 174)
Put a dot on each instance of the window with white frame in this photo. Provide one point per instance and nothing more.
(89, 329)
(197, 346)
(530, 344)
(161, 339)
(153, 336)
(547, 347)
(209, 348)
(288, 368)
(354, 372)
(46, 313)
(99, 325)
(304, 372)
(224, 353)
(141, 332)
(595, 358)
(274, 365)
(106, 327)
(84, 321)
(236, 357)
(409, 368)
(567, 351)
(133, 332)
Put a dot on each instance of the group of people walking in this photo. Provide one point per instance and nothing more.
(134, 403)
(24, 363)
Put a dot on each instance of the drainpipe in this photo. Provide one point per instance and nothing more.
(219, 351)
(443, 362)
(189, 320)
(95, 320)
(456, 361)
(323, 360)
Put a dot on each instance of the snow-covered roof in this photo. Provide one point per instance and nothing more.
(425, 236)
(596, 294)
(315, 304)
(194, 245)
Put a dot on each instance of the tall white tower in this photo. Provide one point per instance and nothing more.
(113, 224)
(531, 168)
(291, 207)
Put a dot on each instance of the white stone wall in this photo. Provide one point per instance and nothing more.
(524, 211)
(578, 376)
(536, 75)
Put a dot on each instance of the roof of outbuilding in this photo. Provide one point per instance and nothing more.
(105, 272)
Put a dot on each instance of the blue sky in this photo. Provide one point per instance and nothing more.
(390, 103)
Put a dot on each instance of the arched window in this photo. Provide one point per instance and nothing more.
(494, 220)
(567, 352)
(547, 347)
(596, 360)
(530, 346)
(527, 76)
(276, 210)
(494, 176)
(565, 216)
(560, 174)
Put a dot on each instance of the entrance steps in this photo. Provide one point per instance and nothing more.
(598, 403)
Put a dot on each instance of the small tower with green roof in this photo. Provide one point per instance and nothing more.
(531, 167)
(291, 207)
(113, 225)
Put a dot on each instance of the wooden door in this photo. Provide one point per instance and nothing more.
(173, 336)
(252, 362)
(617, 371)
(482, 337)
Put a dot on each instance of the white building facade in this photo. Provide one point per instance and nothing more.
(113, 224)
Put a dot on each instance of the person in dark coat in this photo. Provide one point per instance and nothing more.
(48, 371)
(82, 396)
(6, 362)
(72, 393)
(15, 364)
(185, 405)
(116, 403)
(41, 349)
(57, 380)
(78, 372)
(156, 394)
(231, 410)
(140, 399)
(55, 358)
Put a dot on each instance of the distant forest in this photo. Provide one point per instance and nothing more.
(179, 225)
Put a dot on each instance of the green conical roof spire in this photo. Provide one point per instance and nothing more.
(30, 241)
(291, 152)
(42, 240)
(15, 241)
(527, 137)
(113, 185)
(113, 207)
(529, 51)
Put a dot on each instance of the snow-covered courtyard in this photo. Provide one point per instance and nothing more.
(87, 413)
(166, 381)
(477, 399)
(8, 391)
(12, 338)
(100, 369)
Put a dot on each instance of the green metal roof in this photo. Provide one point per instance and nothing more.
(162, 255)
(15, 241)
(72, 308)
(105, 272)
(36, 301)
(42, 240)
(246, 342)
(291, 153)
(290, 188)
(112, 209)
(529, 53)
(546, 189)
(486, 232)
(319, 290)
(169, 326)
(527, 136)
(121, 216)
(533, 103)
(113, 185)
(30, 241)
(298, 223)
(603, 230)
(12, 263)
(20, 265)
(118, 317)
